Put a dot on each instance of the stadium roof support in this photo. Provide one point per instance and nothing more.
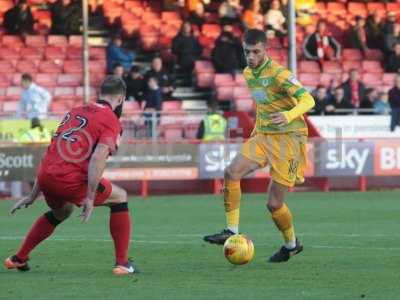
(292, 37)
(85, 49)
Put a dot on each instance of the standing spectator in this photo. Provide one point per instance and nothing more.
(229, 12)
(394, 101)
(35, 100)
(19, 19)
(354, 89)
(392, 63)
(118, 70)
(116, 54)
(391, 39)
(284, 7)
(227, 55)
(187, 49)
(153, 99)
(358, 35)
(134, 85)
(321, 100)
(66, 17)
(252, 17)
(164, 79)
(321, 45)
(338, 101)
(213, 126)
(368, 101)
(36, 134)
(275, 20)
(374, 31)
(388, 26)
(381, 105)
(197, 16)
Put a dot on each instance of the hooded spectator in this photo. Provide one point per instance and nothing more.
(19, 19)
(66, 17)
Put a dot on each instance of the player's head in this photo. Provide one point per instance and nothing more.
(26, 80)
(254, 44)
(113, 90)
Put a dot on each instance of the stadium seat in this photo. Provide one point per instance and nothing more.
(240, 92)
(46, 80)
(211, 30)
(92, 92)
(393, 7)
(389, 78)
(306, 66)
(372, 79)
(97, 66)
(172, 132)
(171, 106)
(203, 66)
(331, 67)
(96, 79)
(336, 8)
(97, 53)
(50, 66)
(357, 9)
(27, 66)
(352, 54)
(131, 107)
(13, 93)
(326, 79)
(4, 80)
(204, 79)
(9, 54)
(224, 93)
(309, 79)
(74, 53)
(10, 106)
(376, 6)
(223, 80)
(372, 66)
(73, 66)
(347, 65)
(69, 80)
(12, 41)
(62, 93)
(54, 53)
(57, 40)
(373, 54)
(31, 53)
(35, 41)
(240, 80)
(6, 66)
(190, 131)
(245, 104)
(75, 40)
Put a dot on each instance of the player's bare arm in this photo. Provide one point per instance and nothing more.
(96, 168)
(28, 200)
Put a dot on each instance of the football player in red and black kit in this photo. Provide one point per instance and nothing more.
(71, 172)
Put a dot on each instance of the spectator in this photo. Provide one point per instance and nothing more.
(197, 16)
(354, 89)
(368, 101)
(339, 101)
(320, 45)
(153, 99)
(358, 35)
(391, 39)
(321, 100)
(66, 17)
(284, 7)
(388, 26)
(274, 19)
(381, 105)
(227, 55)
(19, 19)
(134, 85)
(118, 70)
(374, 31)
(36, 134)
(229, 12)
(213, 126)
(164, 79)
(187, 49)
(35, 100)
(392, 63)
(394, 101)
(252, 17)
(116, 54)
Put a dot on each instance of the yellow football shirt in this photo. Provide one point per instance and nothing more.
(275, 89)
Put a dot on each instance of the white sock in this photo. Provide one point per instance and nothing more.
(291, 244)
(235, 230)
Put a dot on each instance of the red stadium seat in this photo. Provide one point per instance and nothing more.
(393, 7)
(9, 54)
(92, 92)
(240, 80)
(75, 40)
(27, 66)
(347, 65)
(10, 106)
(352, 54)
(309, 79)
(57, 40)
(203, 66)
(376, 6)
(190, 131)
(97, 53)
(50, 66)
(13, 93)
(389, 78)
(204, 79)
(46, 80)
(6, 66)
(55, 53)
(74, 53)
(29, 53)
(12, 41)
(131, 107)
(372, 66)
(211, 30)
(35, 41)
(240, 92)
(306, 66)
(223, 80)
(326, 79)
(374, 54)
(172, 132)
(62, 93)
(96, 79)
(224, 93)
(331, 67)
(69, 80)
(73, 66)
(171, 106)
(336, 8)
(97, 66)
(357, 8)
(245, 104)
(4, 81)
(372, 79)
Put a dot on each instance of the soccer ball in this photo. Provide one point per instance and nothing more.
(239, 249)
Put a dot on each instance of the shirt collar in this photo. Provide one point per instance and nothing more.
(257, 72)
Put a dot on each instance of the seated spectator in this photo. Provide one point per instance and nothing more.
(274, 19)
(321, 100)
(213, 126)
(321, 45)
(358, 35)
(354, 89)
(19, 19)
(229, 12)
(187, 49)
(134, 85)
(338, 101)
(35, 100)
(381, 104)
(116, 54)
(227, 55)
(392, 63)
(153, 97)
(394, 101)
(391, 39)
(252, 17)
(197, 17)
(164, 79)
(374, 31)
(66, 17)
(368, 101)
(118, 70)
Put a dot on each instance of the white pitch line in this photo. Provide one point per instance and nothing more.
(174, 242)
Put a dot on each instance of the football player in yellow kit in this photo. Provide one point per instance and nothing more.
(278, 140)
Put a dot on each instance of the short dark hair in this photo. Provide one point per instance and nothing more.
(135, 69)
(113, 86)
(254, 36)
(26, 77)
(117, 65)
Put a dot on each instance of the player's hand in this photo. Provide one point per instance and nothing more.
(278, 119)
(87, 209)
(24, 202)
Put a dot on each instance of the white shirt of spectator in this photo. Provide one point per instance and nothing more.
(34, 102)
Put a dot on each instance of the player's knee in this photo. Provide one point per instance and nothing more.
(120, 195)
(273, 205)
(63, 213)
(232, 173)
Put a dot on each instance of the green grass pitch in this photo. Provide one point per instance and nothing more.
(351, 240)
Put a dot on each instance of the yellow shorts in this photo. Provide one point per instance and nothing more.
(286, 153)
